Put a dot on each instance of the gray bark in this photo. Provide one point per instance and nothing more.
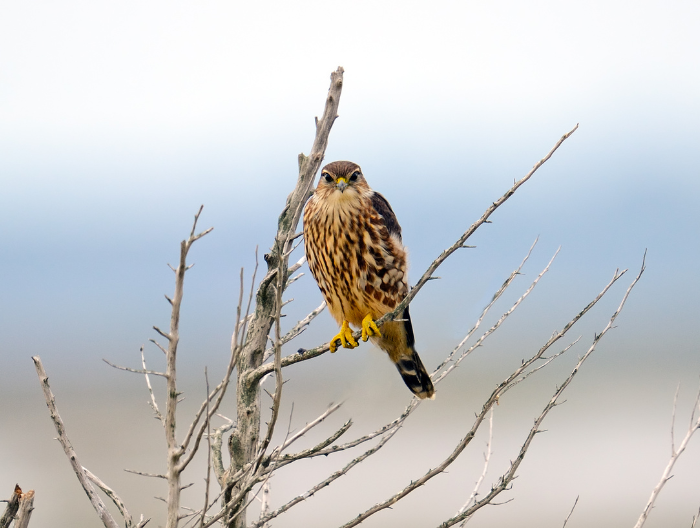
(244, 440)
(26, 507)
(12, 507)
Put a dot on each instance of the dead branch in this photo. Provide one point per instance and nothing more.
(306, 429)
(570, 513)
(244, 441)
(128, 520)
(176, 451)
(95, 500)
(136, 371)
(208, 479)
(217, 461)
(509, 475)
(486, 309)
(326, 481)
(153, 403)
(498, 323)
(506, 479)
(11, 508)
(26, 507)
(297, 329)
(317, 450)
(675, 454)
(487, 459)
(142, 474)
(695, 519)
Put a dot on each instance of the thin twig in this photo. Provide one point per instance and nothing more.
(306, 429)
(487, 458)
(695, 519)
(208, 421)
(666, 475)
(296, 330)
(505, 479)
(265, 507)
(547, 362)
(570, 513)
(498, 323)
(137, 371)
(326, 481)
(154, 405)
(486, 309)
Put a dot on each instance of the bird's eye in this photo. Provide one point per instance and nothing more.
(328, 177)
(354, 176)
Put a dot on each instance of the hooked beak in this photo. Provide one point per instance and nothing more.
(341, 185)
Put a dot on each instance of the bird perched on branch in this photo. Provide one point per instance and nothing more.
(353, 245)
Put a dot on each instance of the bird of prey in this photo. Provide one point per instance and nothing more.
(354, 249)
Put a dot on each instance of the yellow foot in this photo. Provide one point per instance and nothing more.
(345, 338)
(369, 329)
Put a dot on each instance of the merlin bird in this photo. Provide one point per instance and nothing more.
(353, 245)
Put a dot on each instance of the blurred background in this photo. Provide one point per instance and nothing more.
(118, 120)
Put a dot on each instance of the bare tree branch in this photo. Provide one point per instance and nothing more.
(508, 477)
(297, 329)
(317, 450)
(217, 462)
(95, 500)
(154, 404)
(306, 428)
(113, 496)
(498, 323)
(570, 513)
(244, 444)
(326, 481)
(176, 451)
(11, 508)
(207, 481)
(142, 474)
(137, 371)
(26, 506)
(486, 309)
(695, 519)
(487, 458)
(265, 508)
(675, 454)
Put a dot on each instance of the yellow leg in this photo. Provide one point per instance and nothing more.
(369, 329)
(345, 337)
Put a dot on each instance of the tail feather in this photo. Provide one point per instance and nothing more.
(415, 376)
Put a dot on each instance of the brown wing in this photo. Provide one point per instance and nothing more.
(383, 208)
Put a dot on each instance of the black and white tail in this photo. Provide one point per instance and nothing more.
(414, 375)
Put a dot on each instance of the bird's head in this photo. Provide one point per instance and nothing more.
(342, 179)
